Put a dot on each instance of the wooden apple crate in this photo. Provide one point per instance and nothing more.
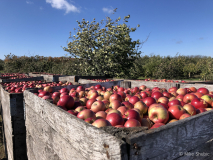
(22, 79)
(81, 79)
(14, 121)
(53, 133)
(51, 78)
(14, 125)
(148, 84)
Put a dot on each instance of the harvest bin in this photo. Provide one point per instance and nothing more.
(14, 125)
(14, 121)
(22, 79)
(53, 133)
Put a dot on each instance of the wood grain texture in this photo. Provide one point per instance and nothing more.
(168, 141)
(67, 78)
(201, 152)
(87, 140)
(14, 125)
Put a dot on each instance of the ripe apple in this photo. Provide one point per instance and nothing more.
(142, 87)
(66, 101)
(156, 125)
(141, 106)
(208, 99)
(164, 100)
(132, 123)
(157, 94)
(198, 94)
(98, 106)
(122, 109)
(132, 114)
(181, 91)
(176, 111)
(110, 110)
(43, 93)
(115, 119)
(64, 90)
(143, 94)
(149, 100)
(185, 115)
(80, 108)
(199, 103)
(190, 109)
(101, 123)
(134, 99)
(158, 114)
(193, 89)
(203, 90)
(80, 88)
(173, 89)
(101, 114)
(98, 86)
(167, 94)
(189, 97)
(123, 95)
(115, 104)
(86, 113)
(174, 102)
(48, 89)
(56, 94)
(115, 96)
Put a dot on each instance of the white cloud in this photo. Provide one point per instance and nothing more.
(63, 4)
(29, 2)
(108, 10)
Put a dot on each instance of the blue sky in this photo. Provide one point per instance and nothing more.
(41, 27)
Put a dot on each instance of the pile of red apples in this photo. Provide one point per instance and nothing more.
(122, 107)
(15, 75)
(19, 87)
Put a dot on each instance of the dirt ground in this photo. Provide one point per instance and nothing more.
(2, 153)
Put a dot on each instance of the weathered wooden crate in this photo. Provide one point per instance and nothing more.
(52, 133)
(148, 84)
(14, 125)
(197, 86)
(22, 79)
(51, 78)
(80, 79)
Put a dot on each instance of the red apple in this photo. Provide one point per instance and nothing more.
(73, 112)
(203, 90)
(176, 111)
(157, 94)
(208, 100)
(101, 123)
(64, 90)
(115, 96)
(158, 114)
(199, 103)
(164, 100)
(149, 100)
(66, 101)
(156, 125)
(190, 109)
(185, 115)
(86, 113)
(141, 106)
(181, 91)
(115, 119)
(132, 123)
(43, 93)
(101, 114)
(122, 109)
(98, 106)
(132, 114)
(174, 102)
(189, 97)
(200, 110)
(115, 104)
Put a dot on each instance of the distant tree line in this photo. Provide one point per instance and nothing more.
(155, 66)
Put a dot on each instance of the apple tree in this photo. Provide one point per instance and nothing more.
(104, 48)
